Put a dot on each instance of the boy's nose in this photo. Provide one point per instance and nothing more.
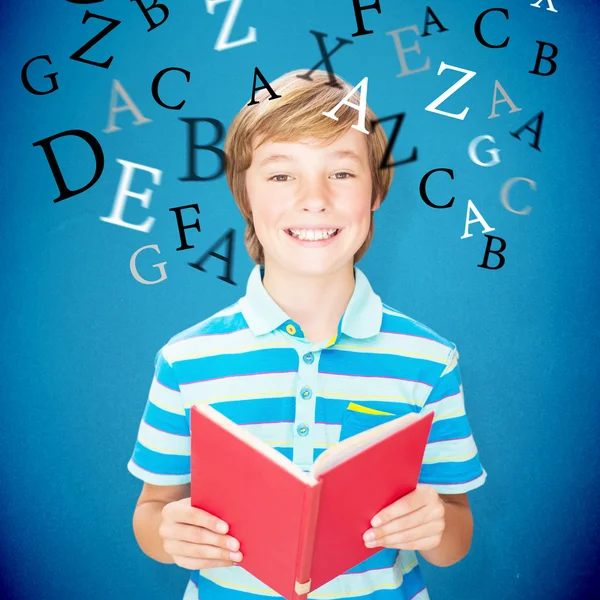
(314, 196)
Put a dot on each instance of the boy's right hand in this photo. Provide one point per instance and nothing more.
(193, 538)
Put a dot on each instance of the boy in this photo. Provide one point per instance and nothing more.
(309, 338)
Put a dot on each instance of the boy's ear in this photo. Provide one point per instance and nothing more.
(377, 203)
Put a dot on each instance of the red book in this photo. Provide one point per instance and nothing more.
(299, 530)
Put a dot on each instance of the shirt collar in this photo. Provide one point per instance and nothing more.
(361, 319)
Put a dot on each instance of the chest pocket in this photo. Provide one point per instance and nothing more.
(359, 418)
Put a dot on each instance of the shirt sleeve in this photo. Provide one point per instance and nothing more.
(161, 455)
(451, 462)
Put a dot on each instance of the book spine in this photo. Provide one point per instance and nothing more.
(310, 512)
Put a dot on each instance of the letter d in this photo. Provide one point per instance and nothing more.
(91, 141)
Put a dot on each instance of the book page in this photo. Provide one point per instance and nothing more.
(355, 444)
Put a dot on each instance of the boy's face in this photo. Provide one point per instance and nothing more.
(300, 191)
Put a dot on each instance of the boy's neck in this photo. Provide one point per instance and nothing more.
(316, 303)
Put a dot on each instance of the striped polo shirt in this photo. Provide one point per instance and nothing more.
(253, 364)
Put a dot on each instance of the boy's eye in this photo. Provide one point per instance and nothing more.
(280, 177)
(342, 175)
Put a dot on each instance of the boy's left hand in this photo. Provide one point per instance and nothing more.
(414, 522)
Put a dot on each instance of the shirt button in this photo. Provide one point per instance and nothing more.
(290, 329)
(302, 430)
(308, 358)
(306, 393)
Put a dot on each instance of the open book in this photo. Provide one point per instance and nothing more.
(298, 530)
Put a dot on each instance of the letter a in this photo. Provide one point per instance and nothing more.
(129, 105)
(479, 219)
(362, 108)
(550, 5)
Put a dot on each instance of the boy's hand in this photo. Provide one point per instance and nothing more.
(194, 539)
(414, 522)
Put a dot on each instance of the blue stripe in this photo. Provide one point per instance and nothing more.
(275, 360)
(163, 372)
(381, 365)
(451, 472)
(450, 429)
(261, 410)
(166, 421)
(380, 560)
(156, 462)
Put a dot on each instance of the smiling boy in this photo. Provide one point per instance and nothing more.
(290, 360)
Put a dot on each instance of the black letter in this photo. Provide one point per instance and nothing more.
(78, 53)
(92, 142)
(478, 35)
(146, 11)
(392, 140)
(423, 189)
(181, 227)
(333, 82)
(156, 81)
(359, 19)
(489, 251)
(539, 58)
(227, 259)
(430, 13)
(266, 86)
(540, 119)
(192, 146)
(51, 76)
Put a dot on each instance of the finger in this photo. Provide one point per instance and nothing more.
(427, 543)
(194, 564)
(184, 512)
(201, 535)
(416, 499)
(432, 528)
(413, 519)
(189, 550)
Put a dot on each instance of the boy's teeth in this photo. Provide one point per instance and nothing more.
(312, 234)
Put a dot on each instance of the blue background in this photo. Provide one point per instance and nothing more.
(80, 333)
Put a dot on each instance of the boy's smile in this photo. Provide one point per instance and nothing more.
(311, 201)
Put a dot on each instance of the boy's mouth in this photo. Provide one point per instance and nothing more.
(313, 234)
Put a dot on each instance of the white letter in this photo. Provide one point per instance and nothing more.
(479, 219)
(473, 151)
(433, 106)
(160, 266)
(402, 51)
(504, 194)
(223, 42)
(129, 105)
(513, 108)
(123, 191)
(361, 109)
(550, 5)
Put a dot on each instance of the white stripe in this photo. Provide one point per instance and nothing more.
(282, 434)
(344, 586)
(333, 387)
(399, 344)
(236, 342)
(352, 387)
(460, 488)
(156, 478)
(450, 451)
(240, 387)
(163, 442)
(191, 591)
(166, 398)
(447, 408)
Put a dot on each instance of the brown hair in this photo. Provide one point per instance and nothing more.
(298, 115)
